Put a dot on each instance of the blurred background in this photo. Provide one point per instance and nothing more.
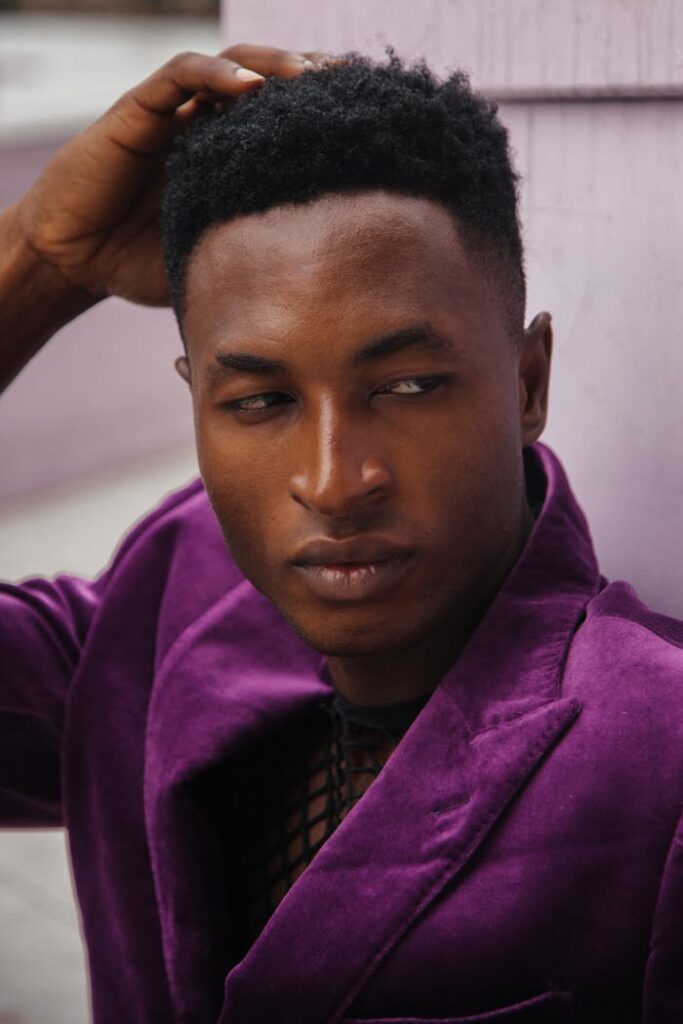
(98, 428)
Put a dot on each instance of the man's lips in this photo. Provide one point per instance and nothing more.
(355, 581)
(364, 550)
(349, 565)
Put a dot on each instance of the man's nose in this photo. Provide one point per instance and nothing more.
(339, 463)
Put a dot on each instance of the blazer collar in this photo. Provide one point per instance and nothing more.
(240, 672)
(235, 674)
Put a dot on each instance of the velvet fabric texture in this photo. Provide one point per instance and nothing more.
(519, 858)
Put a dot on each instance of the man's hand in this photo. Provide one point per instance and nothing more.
(92, 216)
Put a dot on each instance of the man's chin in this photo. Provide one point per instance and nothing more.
(352, 640)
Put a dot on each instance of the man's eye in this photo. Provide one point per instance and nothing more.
(424, 385)
(267, 400)
(254, 403)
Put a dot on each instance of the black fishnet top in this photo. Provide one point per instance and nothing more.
(288, 793)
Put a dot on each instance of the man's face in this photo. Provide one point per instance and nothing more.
(421, 445)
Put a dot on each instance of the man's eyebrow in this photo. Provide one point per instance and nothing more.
(421, 334)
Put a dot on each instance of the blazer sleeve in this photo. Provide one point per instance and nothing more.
(43, 628)
(663, 988)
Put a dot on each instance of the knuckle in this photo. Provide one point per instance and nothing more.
(184, 57)
(124, 100)
(235, 48)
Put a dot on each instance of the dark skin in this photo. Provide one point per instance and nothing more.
(327, 449)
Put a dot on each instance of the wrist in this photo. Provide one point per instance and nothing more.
(35, 277)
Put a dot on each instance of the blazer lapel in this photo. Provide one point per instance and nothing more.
(237, 673)
(414, 830)
(487, 726)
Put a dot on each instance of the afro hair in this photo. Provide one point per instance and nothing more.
(342, 127)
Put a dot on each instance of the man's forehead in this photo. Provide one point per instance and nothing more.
(342, 229)
(339, 251)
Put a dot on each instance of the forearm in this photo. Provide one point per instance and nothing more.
(35, 300)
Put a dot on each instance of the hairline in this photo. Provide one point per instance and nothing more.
(477, 245)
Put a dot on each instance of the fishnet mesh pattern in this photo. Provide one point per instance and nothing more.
(290, 794)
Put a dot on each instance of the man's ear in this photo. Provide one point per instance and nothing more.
(183, 368)
(534, 377)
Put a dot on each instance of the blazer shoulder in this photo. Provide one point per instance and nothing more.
(625, 666)
(184, 510)
(630, 655)
(619, 601)
(170, 567)
(177, 548)
(171, 506)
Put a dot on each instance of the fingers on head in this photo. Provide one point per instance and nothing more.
(267, 60)
(217, 78)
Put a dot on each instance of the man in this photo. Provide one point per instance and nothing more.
(354, 729)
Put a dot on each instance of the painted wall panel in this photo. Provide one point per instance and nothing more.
(603, 215)
(506, 44)
(101, 391)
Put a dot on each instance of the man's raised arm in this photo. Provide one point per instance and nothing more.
(89, 226)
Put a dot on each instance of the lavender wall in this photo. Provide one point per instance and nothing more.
(101, 391)
(520, 47)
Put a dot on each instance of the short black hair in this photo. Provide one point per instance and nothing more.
(345, 127)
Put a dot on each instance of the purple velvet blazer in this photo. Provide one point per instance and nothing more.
(518, 859)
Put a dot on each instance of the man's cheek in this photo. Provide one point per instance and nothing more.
(242, 529)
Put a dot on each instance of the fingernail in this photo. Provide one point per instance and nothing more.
(299, 58)
(248, 76)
